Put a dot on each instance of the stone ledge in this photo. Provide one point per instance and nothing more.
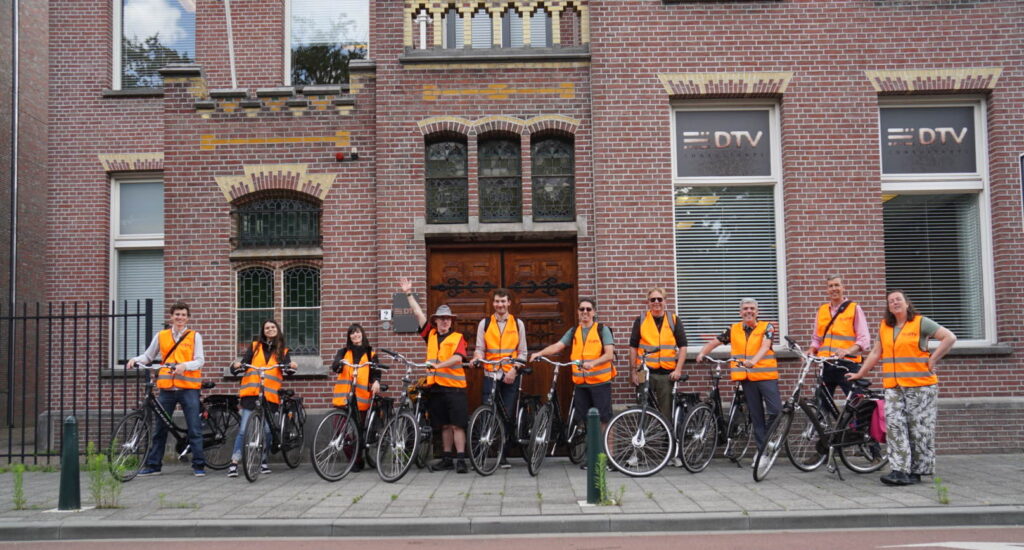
(263, 253)
(280, 91)
(494, 55)
(996, 349)
(134, 92)
(525, 229)
(228, 93)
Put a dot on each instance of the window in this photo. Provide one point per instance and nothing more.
(278, 221)
(148, 35)
(553, 177)
(298, 308)
(137, 229)
(936, 213)
(482, 29)
(447, 191)
(540, 29)
(511, 29)
(324, 35)
(500, 179)
(727, 214)
(453, 29)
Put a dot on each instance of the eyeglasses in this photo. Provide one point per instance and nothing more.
(656, 300)
(585, 309)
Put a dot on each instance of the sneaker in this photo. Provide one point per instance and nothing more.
(233, 470)
(148, 471)
(914, 479)
(199, 472)
(264, 468)
(677, 462)
(503, 463)
(444, 464)
(896, 478)
(460, 467)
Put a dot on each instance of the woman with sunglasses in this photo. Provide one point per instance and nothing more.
(590, 344)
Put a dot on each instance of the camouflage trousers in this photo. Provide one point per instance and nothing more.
(910, 428)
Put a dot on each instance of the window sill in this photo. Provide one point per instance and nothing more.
(982, 350)
(527, 227)
(494, 55)
(134, 92)
(276, 253)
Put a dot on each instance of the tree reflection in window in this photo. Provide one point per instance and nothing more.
(501, 197)
(447, 183)
(553, 178)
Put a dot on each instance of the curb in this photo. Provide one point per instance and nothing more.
(517, 525)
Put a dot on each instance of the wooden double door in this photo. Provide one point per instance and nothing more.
(542, 282)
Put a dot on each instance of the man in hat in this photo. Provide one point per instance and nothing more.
(449, 408)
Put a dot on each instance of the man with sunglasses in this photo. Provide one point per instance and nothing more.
(664, 339)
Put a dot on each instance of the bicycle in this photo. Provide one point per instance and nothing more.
(341, 435)
(801, 440)
(408, 437)
(638, 441)
(707, 426)
(847, 436)
(131, 438)
(286, 429)
(487, 424)
(548, 429)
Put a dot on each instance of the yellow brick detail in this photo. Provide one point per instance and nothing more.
(275, 176)
(131, 162)
(209, 142)
(565, 90)
(970, 78)
(706, 83)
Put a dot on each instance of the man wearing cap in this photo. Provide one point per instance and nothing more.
(449, 408)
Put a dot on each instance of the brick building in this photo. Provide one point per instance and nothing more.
(562, 148)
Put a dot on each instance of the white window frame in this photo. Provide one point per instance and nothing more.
(288, 38)
(955, 183)
(115, 41)
(119, 242)
(278, 306)
(774, 179)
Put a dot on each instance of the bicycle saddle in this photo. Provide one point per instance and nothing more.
(287, 393)
(209, 385)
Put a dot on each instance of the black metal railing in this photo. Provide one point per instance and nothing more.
(64, 359)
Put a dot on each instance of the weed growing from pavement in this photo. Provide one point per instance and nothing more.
(103, 486)
(649, 494)
(357, 498)
(394, 497)
(18, 471)
(941, 491)
(164, 503)
(48, 468)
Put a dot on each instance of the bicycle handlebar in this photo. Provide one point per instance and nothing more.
(399, 357)
(577, 362)
(364, 364)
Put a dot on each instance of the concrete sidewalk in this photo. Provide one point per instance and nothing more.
(981, 490)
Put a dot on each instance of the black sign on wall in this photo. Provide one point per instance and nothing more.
(928, 140)
(722, 144)
(402, 315)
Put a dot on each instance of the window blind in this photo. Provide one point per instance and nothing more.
(140, 275)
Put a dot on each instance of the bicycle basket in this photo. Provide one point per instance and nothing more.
(417, 388)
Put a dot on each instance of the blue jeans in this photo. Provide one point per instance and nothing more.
(236, 453)
(189, 400)
(764, 404)
(508, 393)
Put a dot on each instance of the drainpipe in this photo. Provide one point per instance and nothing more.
(14, 210)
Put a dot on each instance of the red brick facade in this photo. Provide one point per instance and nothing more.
(614, 102)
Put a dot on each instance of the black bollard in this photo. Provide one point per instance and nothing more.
(593, 449)
(70, 488)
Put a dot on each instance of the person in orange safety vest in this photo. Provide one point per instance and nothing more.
(357, 351)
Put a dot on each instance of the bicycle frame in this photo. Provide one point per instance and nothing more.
(151, 407)
(714, 400)
(377, 402)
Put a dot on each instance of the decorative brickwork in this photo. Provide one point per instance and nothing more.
(432, 92)
(459, 125)
(726, 84)
(291, 177)
(496, 8)
(209, 142)
(972, 79)
(132, 162)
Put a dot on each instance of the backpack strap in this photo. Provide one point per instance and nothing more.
(170, 352)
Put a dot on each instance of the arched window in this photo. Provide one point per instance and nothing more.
(452, 26)
(255, 301)
(540, 29)
(553, 179)
(501, 187)
(482, 29)
(447, 185)
(278, 222)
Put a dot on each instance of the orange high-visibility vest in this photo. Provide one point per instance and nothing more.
(344, 385)
(903, 362)
(841, 335)
(501, 343)
(188, 380)
(271, 378)
(439, 352)
(660, 344)
(588, 350)
(744, 347)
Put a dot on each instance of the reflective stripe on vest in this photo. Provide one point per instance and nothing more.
(344, 386)
(902, 357)
(272, 378)
(166, 378)
(744, 348)
(439, 352)
(841, 335)
(499, 344)
(659, 343)
(589, 350)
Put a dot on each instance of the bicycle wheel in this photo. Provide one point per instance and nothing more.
(864, 457)
(425, 447)
(254, 444)
(802, 439)
(397, 447)
(541, 437)
(379, 418)
(697, 438)
(738, 433)
(219, 432)
(292, 435)
(335, 445)
(128, 446)
(774, 441)
(486, 434)
(524, 424)
(577, 442)
(638, 442)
